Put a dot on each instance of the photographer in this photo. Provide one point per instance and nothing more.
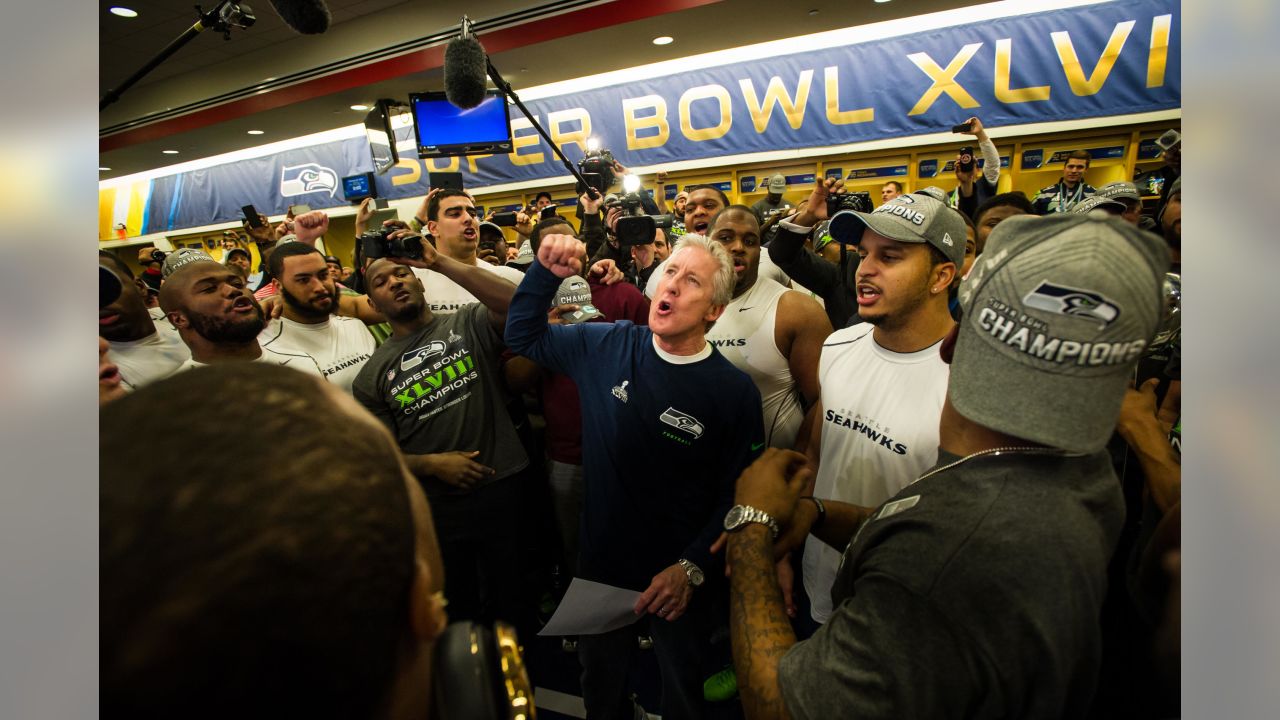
(773, 203)
(150, 257)
(833, 283)
(974, 188)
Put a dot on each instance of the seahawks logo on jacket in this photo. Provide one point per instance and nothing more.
(682, 421)
(414, 358)
(1073, 302)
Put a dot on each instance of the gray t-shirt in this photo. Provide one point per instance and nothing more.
(440, 389)
(972, 593)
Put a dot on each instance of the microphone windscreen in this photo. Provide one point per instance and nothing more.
(465, 72)
(309, 17)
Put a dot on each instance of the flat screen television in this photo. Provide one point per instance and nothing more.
(359, 187)
(389, 128)
(443, 130)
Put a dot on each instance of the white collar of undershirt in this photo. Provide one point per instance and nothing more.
(702, 354)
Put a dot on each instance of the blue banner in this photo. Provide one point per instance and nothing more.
(890, 171)
(1032, 159)
(1098, 60)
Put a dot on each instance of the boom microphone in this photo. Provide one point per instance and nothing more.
(465, 69)
(309, 17)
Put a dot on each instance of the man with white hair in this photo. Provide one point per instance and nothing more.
(668, 423)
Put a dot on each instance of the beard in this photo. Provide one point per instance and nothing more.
(899, 317)
(223, 330)
(308, 310)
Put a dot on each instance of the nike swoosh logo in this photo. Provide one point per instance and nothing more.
(756, 446)
(745, 309)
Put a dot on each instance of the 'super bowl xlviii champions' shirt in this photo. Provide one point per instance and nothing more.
(439, 390)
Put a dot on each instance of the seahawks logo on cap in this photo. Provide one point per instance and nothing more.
(414, 358)
(1072, 301)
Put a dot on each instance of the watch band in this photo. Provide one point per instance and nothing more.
(694, 572)
(822, 512)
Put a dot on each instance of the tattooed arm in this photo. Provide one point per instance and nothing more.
(758, 622)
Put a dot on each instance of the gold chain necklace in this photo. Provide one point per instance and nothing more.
(1000, 451)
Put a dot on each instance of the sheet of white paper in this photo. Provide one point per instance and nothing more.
(591, 608)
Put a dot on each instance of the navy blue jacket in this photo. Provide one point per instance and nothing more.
(662, 443)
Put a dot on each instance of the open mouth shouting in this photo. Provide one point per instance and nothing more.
(664, 308)
(242, 306)
(867, 294)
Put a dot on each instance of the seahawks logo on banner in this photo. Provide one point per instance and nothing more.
(1073, 302)
(309, 178)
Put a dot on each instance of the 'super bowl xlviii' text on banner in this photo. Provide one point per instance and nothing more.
(1092, 61)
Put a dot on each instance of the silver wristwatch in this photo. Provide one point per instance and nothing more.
(740, 515)
(694, 572)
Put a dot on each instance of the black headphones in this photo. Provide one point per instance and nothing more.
(480, 674)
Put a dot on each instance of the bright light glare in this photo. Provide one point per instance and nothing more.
(663, 40)
(359, 107)
(592, 144)
(124, 12)
(630, 183)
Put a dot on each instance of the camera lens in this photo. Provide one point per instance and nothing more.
(407, 247)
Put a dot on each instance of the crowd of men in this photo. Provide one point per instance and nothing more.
(916, 461)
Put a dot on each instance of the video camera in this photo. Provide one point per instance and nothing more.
(859, 201)
(375, 244)
(597, 169)
(635, 227)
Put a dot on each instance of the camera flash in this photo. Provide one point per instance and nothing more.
(592, 144)
(630, 183)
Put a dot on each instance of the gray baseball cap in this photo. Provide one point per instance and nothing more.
(180, 257)
(1054, 316)
(911, 218)
(524, 256)
(1099, 202)
(1122, 189)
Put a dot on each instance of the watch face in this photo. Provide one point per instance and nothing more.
(695, 576)
(734, 518)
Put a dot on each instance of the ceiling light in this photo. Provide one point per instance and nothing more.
(254, 132)
(359, 107)
(664, 40)
(103, 169)
(169, 152)
(812, 13)
(124, 12)
(882, 1)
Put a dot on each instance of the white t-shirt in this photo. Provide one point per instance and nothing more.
(880, 414)
(301, 363)
(339, 345)
(445, 296)
(154, 357)
(744, 334)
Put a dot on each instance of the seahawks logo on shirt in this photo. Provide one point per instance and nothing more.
(414, 358)
(682, 421)
(1072, 301)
